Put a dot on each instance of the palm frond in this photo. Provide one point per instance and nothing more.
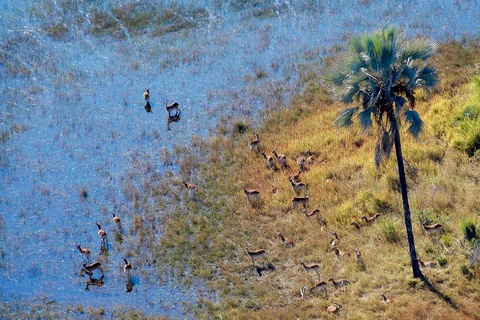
(418, 49)
(399, 103)
(345, 118)
(365, 117)
(416, 123)
(386, 142)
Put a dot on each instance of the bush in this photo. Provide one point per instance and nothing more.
(389, 229)
(469, 229)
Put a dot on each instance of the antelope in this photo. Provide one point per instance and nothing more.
(85, 252)
(101, 233)
(255, 254)
(117, 222)
(95, 282)
(319, 286)
(310, 156)
(89, 268)
(189, 186)
(339, 283)
(301, 163)
(281, 158)
(335, 241)
(384, 298)
(146, 94)
(253, 195)
(127, 268)
(296, 177)
(355, 224)
(270, 163)
(322, 222)
(427, 264)
(148, 106)
(334, 308)
(372, 219)
(310, 268)
(433, 228)
(340, 253)
(302, 292)
(297, 186)
(286, 241)
(358, 255)
(312, 213)
(255, 143)
(300, 201)
(172, 107)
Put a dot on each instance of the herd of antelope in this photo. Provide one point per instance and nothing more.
(300, 201)
(94, 270)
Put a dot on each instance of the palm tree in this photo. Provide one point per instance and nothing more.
(381, 72)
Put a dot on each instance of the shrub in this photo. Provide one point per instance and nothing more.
(469, 229)
(389, 229)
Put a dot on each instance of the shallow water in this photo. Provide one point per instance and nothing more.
(77, 123)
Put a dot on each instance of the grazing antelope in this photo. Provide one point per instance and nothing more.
(300, 201)
(384, 298)
(255, 143)
(101, 233)
(287, 242)
(270, 162)
(146, 94)
(117, 222)
(433, 228)
(358, 256)
(319, 286)
(340, 253)
(148, 106)
(427, 264)
(89, 268)
(372, 219)
(312, 213)
(301, 163)
(95, 282)
(355, 224)
(339, 283)
(281, 158)
(85, 252)
(189, 186)
(255, 254)
(310, 268)
(253, 195)
(334, 308)
(127, 268)
(298, 187)
(173, 107)
(336, 240)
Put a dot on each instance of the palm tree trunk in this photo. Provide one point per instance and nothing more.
(417, 273)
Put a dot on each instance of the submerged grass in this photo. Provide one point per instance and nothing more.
(208, 235)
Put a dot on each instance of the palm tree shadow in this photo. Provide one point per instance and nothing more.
(437, 292)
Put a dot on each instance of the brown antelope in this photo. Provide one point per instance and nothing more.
(95, 282)
(270, 162)
(287, 242)
(127, 268)
(300, 201)
(427, 264)
(339, 283)
(301, 163)
(85, 252)
(189, 186)
(323, 222)
(334, 308)
(358, 256)
(372, 219)
(255, 254)
(311, 268)
(89, 268)
(173, 107)
(148, 106)
(355, 224)
(253, 195)
(433, 228)
(281, 158)
(101, 233)
(340, 253)
(255, 143)
(310, 156)
(384, 298)
(320, 286)
(336, 240)
(312, 213)
(298, 187)
(117, 222)
(146, 94)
